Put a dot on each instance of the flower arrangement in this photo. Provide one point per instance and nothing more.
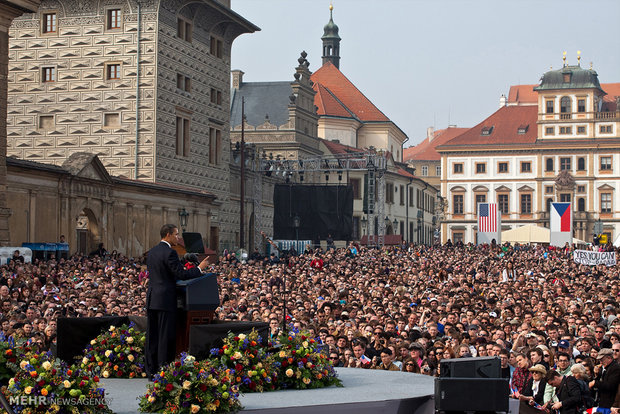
(190, 386)
(243, 359)
(8, 356)
(44, 385)
(299, 363)
(116, 353)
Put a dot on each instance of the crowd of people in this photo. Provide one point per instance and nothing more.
(397, 308)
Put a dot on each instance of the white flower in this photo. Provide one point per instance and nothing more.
(130, 339)
(46, 365)
(23, 364)
(237, 355)
(84, 360)
(108, 353)
(186, 385)
(304, 344)
(66, 383)
(112, 328)
(93, 342)
(241, 337)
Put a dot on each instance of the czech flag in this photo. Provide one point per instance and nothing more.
(561, 217)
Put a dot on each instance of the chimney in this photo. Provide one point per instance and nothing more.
(502, 101)
(430, 133)
(237, 78)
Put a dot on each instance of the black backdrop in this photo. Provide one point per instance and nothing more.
(323, 210)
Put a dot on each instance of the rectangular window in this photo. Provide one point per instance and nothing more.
(458, 237)
(402, 195)
(480, 198)
(49, 23)
(183, 83)
(502, 167)
(605, 163)
(114, 19)
(565, 163)
(526, 167)
(48, 74)
(215, 145)
(549, 106)
(216, 96)
(565, 198)
(581, 130)
(457, 168)
(113, 71)
(502, 203)
(184, 29)
(526, 204)
(549, 189)
(216, 47)
(605, 202)
(183, 135)
(549, 131)
(424, 170)
(481, 168)
(581, 105)
(566, 130)
(46, 122)
(457, 203)
(411, 197)
(605, 129)
(389, 193)
(355, 185)
(112, 120)
(438, 171)
(581, 188)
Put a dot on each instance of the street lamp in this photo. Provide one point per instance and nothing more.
(183, 215)
(364, 222)
(296, 225)
(395, 223)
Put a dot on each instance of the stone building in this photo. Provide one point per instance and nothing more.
(555, 141)
(144, 85)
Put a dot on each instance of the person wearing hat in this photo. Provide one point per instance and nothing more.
(607, 379)
(535, 389)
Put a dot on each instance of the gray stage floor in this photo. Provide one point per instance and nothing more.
(360, 386)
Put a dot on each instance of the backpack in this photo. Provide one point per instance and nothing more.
(586, 398)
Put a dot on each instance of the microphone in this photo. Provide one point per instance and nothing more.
(191, 258)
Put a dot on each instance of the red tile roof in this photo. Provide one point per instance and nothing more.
(425, 150)
(404, 173)
(337, 148)
(328, 104)
(345, 93)
(505, 123)
(522, 94)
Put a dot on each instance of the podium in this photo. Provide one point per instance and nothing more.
(197, 300)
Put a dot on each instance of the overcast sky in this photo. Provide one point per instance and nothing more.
(432, 62)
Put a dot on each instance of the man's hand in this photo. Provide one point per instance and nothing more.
(204, 264)
(557, 405)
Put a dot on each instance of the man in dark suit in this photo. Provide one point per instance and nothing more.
(607, 379)
(164, 269)
(567, 391)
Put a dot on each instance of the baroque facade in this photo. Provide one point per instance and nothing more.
(558, 141)
(144, 85)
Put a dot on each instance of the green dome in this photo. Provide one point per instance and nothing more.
(569, 77)
(330, 31)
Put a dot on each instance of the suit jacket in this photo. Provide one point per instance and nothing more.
(607, 385)
(165, 269)
(569, 395)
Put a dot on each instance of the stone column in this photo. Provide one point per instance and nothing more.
(9, 10)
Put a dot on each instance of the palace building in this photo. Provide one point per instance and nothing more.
(555, 141)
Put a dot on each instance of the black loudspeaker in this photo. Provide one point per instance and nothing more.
(483, 367)
(471, 394)
(193, 243)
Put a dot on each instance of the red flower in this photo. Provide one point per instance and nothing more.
(9, 352)
(304, 360)
(69, 372)
(177, 364)
(202, 387)
(284, 364)
(85, 377)
(221, 351)
(54, 371)
(82, 383)
(187, 395)
(238, 367)
(96, 378)
(41, 383)
(236, 338)
(169, 387)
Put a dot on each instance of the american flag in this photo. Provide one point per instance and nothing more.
(487, 217)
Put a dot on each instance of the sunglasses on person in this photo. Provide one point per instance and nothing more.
(409, 364)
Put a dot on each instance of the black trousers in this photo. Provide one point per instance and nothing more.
(160, 347)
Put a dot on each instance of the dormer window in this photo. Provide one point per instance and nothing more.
(487, 130)
(522, 129)
(566, 77)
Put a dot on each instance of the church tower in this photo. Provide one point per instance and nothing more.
(331, 41)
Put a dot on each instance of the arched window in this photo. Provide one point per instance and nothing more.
(581, 204)
(549, 166)
(565, 105)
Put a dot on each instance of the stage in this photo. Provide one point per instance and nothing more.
(364, 391)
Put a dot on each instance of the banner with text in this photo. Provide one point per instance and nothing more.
(590, 258)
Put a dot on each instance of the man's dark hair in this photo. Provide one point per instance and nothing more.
(166, 229)
(386, 351)
(552, 374)
(562, 354)
(358, 342)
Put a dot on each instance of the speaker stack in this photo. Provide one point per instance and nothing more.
(471, 385)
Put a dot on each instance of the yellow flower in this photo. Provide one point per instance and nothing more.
(282, 354)
(151, 398)
(93, 342)
(105, 374)
(309, 364)
(130, 339)
(195, 408)
(241, 337)
(289, 372)
(84, 360)
(186, 385)
(46, 365)
(306, 380)
(108, 353)
(28, 390)
(237, 355)
(305, 344)
(211, 407)
(130, 358)
(66, 383)
(23, 364)
(112, 328)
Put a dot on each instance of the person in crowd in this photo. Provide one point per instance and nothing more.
(567, 392)
(606, 380)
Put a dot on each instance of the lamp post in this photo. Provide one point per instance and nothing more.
(364, 222)
(296, 225)
(183, 215)
(395, 223)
